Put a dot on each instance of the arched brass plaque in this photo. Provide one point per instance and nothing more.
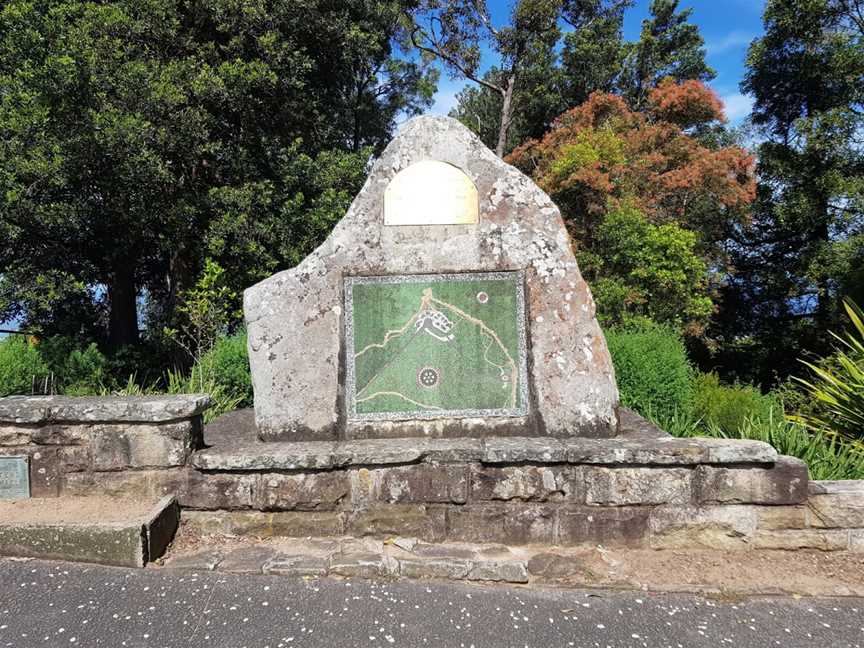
(431, 193)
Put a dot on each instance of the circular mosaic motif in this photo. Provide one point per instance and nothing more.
(482, 297)
(428, 377)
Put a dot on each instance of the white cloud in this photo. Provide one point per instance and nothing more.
(738, 106)
(731, 41)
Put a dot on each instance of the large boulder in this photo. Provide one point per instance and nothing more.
(296, 318)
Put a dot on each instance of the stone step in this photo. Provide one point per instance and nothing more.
(104, 530)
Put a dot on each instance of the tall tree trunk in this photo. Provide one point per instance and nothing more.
(123, 314)
(506, 116)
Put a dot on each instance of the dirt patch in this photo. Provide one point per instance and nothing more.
(74, 510)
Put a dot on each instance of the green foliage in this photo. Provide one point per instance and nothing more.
(827, 458)
(728, 407)
(21, 366)
(647, 270)
(839, 390)
(651, 366)
(133, 131)
(227, 365)
(668, 46)
(206, 310)
(74, 371)
(174, 382)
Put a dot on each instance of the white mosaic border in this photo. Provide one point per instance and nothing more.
(517, 277)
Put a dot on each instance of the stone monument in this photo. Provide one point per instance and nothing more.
(446, 303)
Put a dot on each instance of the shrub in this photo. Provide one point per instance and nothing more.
(729, 406)
(654, 376)
(838, 386)
(75, 372)
(227, 365)
(21, 366)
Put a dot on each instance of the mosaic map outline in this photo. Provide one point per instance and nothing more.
(423, 347)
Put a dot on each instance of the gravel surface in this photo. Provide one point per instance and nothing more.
(62, 604)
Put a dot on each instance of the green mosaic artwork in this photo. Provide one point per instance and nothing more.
(430, 346)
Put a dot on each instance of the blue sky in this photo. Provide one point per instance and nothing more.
(727, 26)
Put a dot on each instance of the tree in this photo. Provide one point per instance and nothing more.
(453, 31)
(668, 46)
(132, 130)
(602, 159)
(804, 250)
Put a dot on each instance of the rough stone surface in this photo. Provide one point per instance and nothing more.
(668, 451)
(256, 523)
(426, 522)
(709, 527)
(248, 560)
(782, 517)
(423, 483)
(621, 486)
(613, 526)
(218, 490)
(836, 504)
(295, 318)
(522, 449)
(451, 568)
(296, 565)
(205, 560)
(305, 491)
(552, 567)
(783, 483)
(823, 539)
(499, 571)
(363, 565)
(526, 483)
(111, 409)
(856, 540)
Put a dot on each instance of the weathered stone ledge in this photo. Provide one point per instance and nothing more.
(327, 455)
(127, 533)
(45, 410)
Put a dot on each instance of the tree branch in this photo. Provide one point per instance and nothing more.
(452, 61)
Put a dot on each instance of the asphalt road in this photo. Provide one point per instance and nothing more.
(62, 604)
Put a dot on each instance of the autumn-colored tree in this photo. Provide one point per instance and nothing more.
(602, 157)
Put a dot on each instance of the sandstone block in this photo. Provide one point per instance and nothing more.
(416, 520)
(503, 450)
(77, 458)
(287, 565)
(128, 484)
(782, 517)
(205, 560)
(613, 526)
(538, 483)
(363, 565)
(476, 523)
(116, 409)
(624, 486)
(856, 540)
(449, 568)
(256, 523)
(499, 571)
(304, 491)
(823, 539)
(783, 483)
(219, 490)
(553, 567)
(668, 451)
(422, 483)
(247, 560)
(838, 504)
(708, 527)
(529, 524)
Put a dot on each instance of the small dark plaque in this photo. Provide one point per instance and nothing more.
(14, 478)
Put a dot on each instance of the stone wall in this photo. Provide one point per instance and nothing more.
(84, 446)
(644, 491)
